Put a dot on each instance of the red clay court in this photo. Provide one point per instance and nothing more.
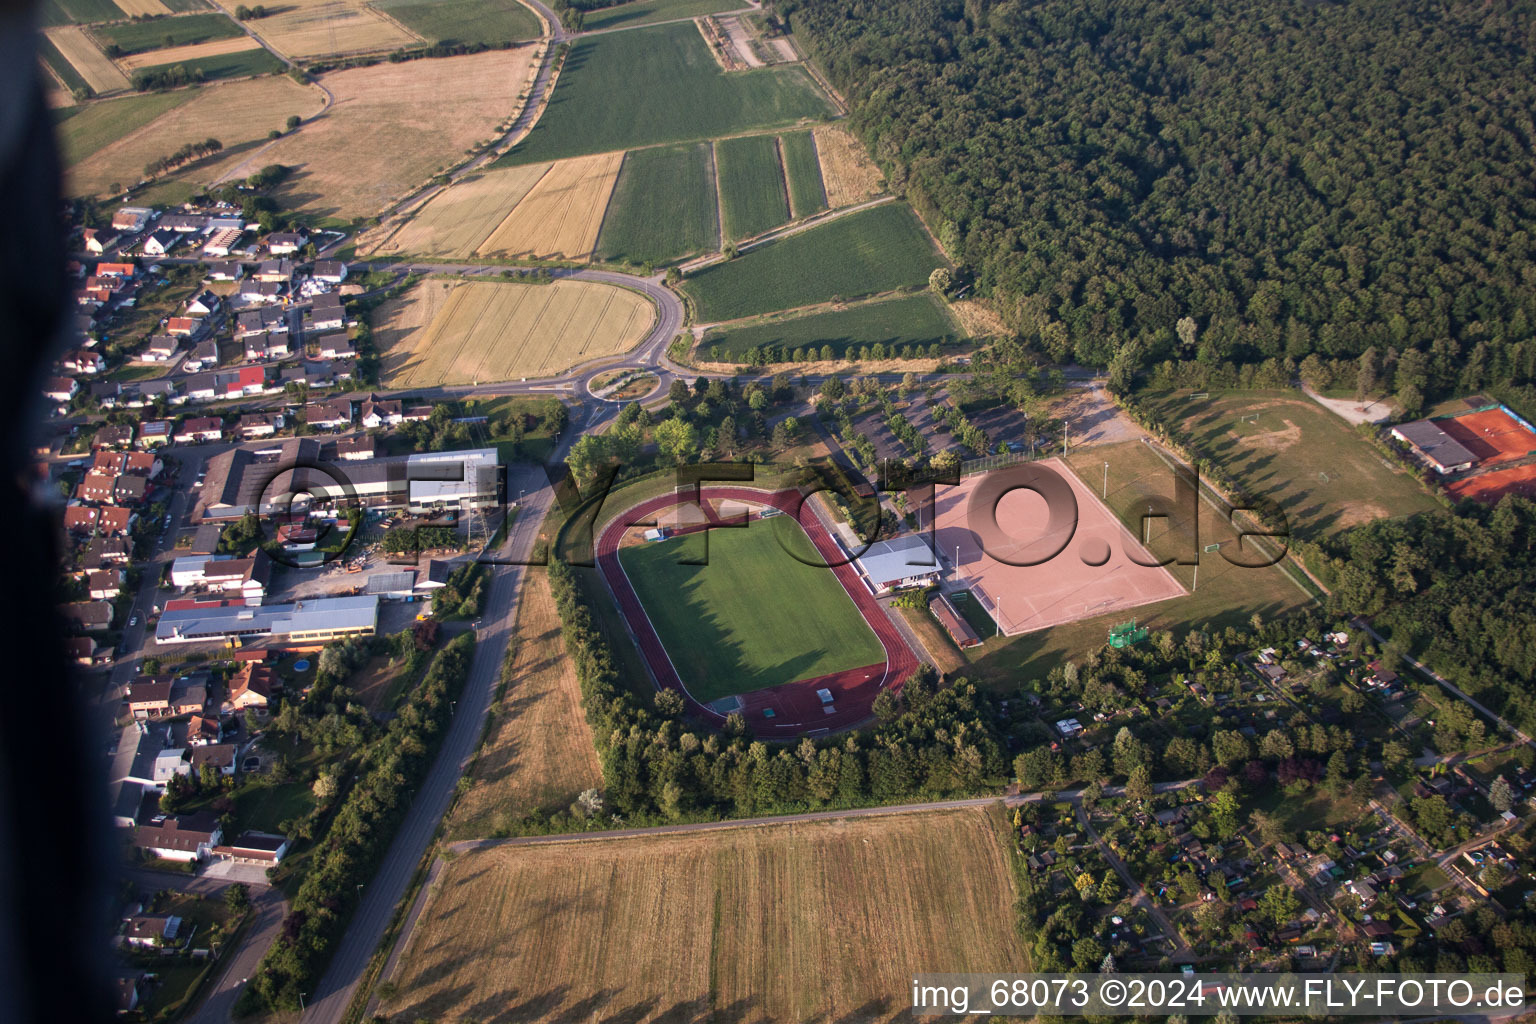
(1492, 435)
(1490, 487)
(1085, 563)
(796, 707)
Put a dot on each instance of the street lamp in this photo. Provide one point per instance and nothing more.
(301, 1002)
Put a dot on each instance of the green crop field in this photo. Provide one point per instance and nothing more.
(229, 65)
(78, 12)
(807, 195)
(98, 125)
(622, 90)
(677, 179)
(138, 36)
(909, 320)
(60, 64)
(754, 616)
(464, 21)
(1293, 451)
(646, 12)
(871, 251)
(186, 6)
(751, 185)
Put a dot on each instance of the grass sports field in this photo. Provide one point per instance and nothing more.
(818, 921)
(645, 12)
(561, 214)
(313, 28)
(803, 169)
(847, 172)
(622, 90)
(464, 21)
(138, 36)
(142, 128)
(395, 109)
(538, 753)
(874, 250)
(456, 220)
(678, 179)
(83, 55)
(450, 332)
(752, 189)
(754, 617)
(1222, 595)
(1283, 446)
(909, 320)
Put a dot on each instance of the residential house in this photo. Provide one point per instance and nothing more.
(204, 729)
(106, 551)
(83, 360)
(154, 433)
(261, 321)
(105, 393)
(286, 243)
(329, 415)
(149, 391)
(260, 424)
(80, 519)
(204, 356)
(99, 240)
(418, 413)
(330, 271)
(357, 448)
(219, 756)
(115, 521)
(150, 696)
(162, 348)
(132, 218)
(184, 326)
(160, 242)
(202, 387)
(231, 271)
(104, 584)
(252, 686)
(87, 616)
(96, 486)
(264, 346)
(264, 292)
(60, 389)
(204, 303)
(113, 435)
(335, 346)
(123, 270)
(169, 763)
(130, 490)
(276, 271)
(200, 429)
(254, 848)
(188, 837)
(189, 696)
(151, 931)
(184, 223)
(84, 650)
(127, 989)
(382, 412)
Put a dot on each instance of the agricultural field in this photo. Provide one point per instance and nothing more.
(908, 320)
(725, 635)
(315, 28)
(803, 169)
(453, 332)
(849, 174)
(539, 752)
(731, 925)
(133, 37)
(646, 12)
(59, 67)
(193, 53)
(226, 59)
(607, 96)
(561, 214)
(678, 179)
(464, 21)
(114, 145)
(145, 8)
(1221, 594)
(395, 109)
(752, 191)
(454, 222)
(84, 12)
(864, 253)
(1285, 447)
(89, 62)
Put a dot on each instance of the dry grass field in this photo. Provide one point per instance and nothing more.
(821, 921)
(453, 332)
(454, 222)
(314, 28)
(239, 114)
(847, 171)
(539, 753)
(394, 110)
(142, 8)
(562, 213)
(178, 54)
(99, 72)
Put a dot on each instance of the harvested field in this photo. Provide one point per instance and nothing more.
(752, 189)
(725, 926)
(143, 8)
(451, 332)
(314, 28)
(679, 179)
(846, 169)
(561, 215)
(396, 109)
(99, 72)
(456, 220)
(243, 111)
(197, 51)
(539, 752)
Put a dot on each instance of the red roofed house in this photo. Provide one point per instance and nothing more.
(60, 389)
(115, 521)
(80, 518)
(182, 325)
(201, 428)
(116, 270)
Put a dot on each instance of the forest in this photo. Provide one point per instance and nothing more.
(1289, 178)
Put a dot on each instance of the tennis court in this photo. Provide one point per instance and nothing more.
(1493, 435)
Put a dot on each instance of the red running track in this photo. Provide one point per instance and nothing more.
(796, 708)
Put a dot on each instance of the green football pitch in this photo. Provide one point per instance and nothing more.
(754, 616)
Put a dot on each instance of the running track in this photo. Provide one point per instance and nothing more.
(796, 707)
